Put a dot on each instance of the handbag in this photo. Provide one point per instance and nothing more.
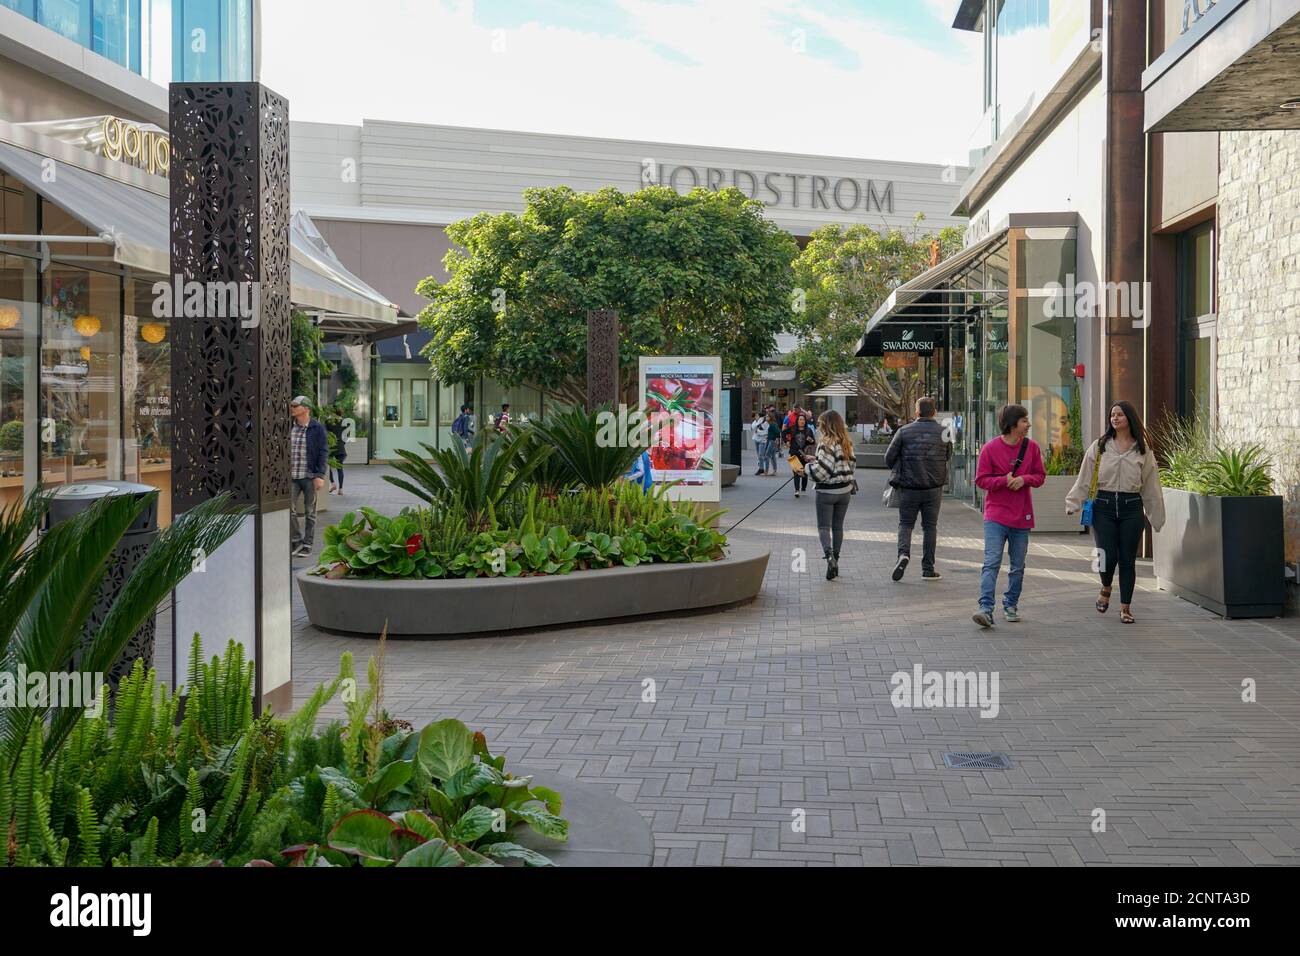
(1085, 513)
(892, 496)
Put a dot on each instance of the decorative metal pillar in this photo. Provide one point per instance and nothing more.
(231, 372)
(602, 358)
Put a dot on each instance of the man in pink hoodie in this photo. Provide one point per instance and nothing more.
(1009, 466)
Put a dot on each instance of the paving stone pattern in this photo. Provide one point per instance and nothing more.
(784, 705)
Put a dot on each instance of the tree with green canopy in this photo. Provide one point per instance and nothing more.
(700, 274)
(845, 275)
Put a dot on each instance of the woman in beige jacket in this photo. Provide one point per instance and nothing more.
(1128, 483)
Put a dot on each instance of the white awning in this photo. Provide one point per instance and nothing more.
(137, 220)
(844, 388)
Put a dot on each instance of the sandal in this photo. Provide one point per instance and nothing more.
(1103, 602)
(1125, 616)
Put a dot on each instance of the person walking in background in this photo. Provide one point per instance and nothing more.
(773, 443)
(1009, 466)
(918, 457)
(1120, 476)
(801, 442)
(503, 420)
(308, 466)
(759, 434)
(833, 468)
(463, 427)
(339, 453)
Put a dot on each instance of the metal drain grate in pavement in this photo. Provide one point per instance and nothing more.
(969, 760)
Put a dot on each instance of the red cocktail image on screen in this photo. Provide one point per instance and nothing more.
(680, 409)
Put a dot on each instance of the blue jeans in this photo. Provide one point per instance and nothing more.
(1016, 542)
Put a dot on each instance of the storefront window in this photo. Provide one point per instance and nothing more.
(1196, 326)
(18, 322)
(69, 18)
(80, 375)
(146, 394)
(115, 31)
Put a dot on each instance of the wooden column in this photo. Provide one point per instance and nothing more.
(602, 358)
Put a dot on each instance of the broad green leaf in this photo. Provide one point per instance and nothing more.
(363, 833)
(543, 822)
(476, 822)
(470, 780)
(513, 851)
(433, 853)
(386, 779)
(446, 748)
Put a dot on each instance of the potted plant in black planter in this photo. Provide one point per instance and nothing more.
(1221, 546)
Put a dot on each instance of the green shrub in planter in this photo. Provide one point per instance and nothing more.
(11, 436)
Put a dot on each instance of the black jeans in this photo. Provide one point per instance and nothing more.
(926, 503)
(1117, 525)
(801, 481)
(336, 475)
(831, 509)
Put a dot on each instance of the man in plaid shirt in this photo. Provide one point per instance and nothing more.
(308, 465)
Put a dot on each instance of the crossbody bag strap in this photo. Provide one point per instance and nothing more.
(1096, 468)
(1020, 459)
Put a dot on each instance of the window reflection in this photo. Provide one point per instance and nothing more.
(80, 372)
(146, 394)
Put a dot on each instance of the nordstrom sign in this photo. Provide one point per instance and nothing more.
(1193, 10)
(792, 190)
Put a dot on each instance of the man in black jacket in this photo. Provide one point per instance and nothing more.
(919, 456)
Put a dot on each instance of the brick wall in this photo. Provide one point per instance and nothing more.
(1259, 303)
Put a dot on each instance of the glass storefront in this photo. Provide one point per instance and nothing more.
(1002, 341)
(85, 371)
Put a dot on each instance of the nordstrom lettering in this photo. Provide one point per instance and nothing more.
(795, 190)
(1193, 10)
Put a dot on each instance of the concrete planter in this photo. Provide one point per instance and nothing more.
(871, 456)
(1225, 554)
(479, 605)
(1049, 507)
(729, 475)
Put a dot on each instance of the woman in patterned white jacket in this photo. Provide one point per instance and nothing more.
(833, 469)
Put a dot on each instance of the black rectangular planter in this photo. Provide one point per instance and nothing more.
(1225, 554)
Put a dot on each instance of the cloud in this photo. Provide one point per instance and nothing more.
(709, 72)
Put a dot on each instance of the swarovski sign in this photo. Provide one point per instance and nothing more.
(906, 338)
(795, 190)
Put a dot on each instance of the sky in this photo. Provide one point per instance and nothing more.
(876, 79)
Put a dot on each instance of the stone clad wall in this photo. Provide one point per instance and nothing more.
(1259, 303)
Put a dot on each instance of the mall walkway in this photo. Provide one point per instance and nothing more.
(784, 706)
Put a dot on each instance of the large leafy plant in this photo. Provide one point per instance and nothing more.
(475, 481)
(373, 545)
(50, 583)
(593, 455)
(1199, 459)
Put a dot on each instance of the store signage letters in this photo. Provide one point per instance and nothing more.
(128, 143)
(906, 338)
(1193, 10)
(797, 190)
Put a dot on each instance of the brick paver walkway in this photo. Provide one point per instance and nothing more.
(783, 706)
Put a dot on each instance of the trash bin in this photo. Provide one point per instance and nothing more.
(70, 500)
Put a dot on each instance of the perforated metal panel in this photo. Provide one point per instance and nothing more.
(230, 222)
